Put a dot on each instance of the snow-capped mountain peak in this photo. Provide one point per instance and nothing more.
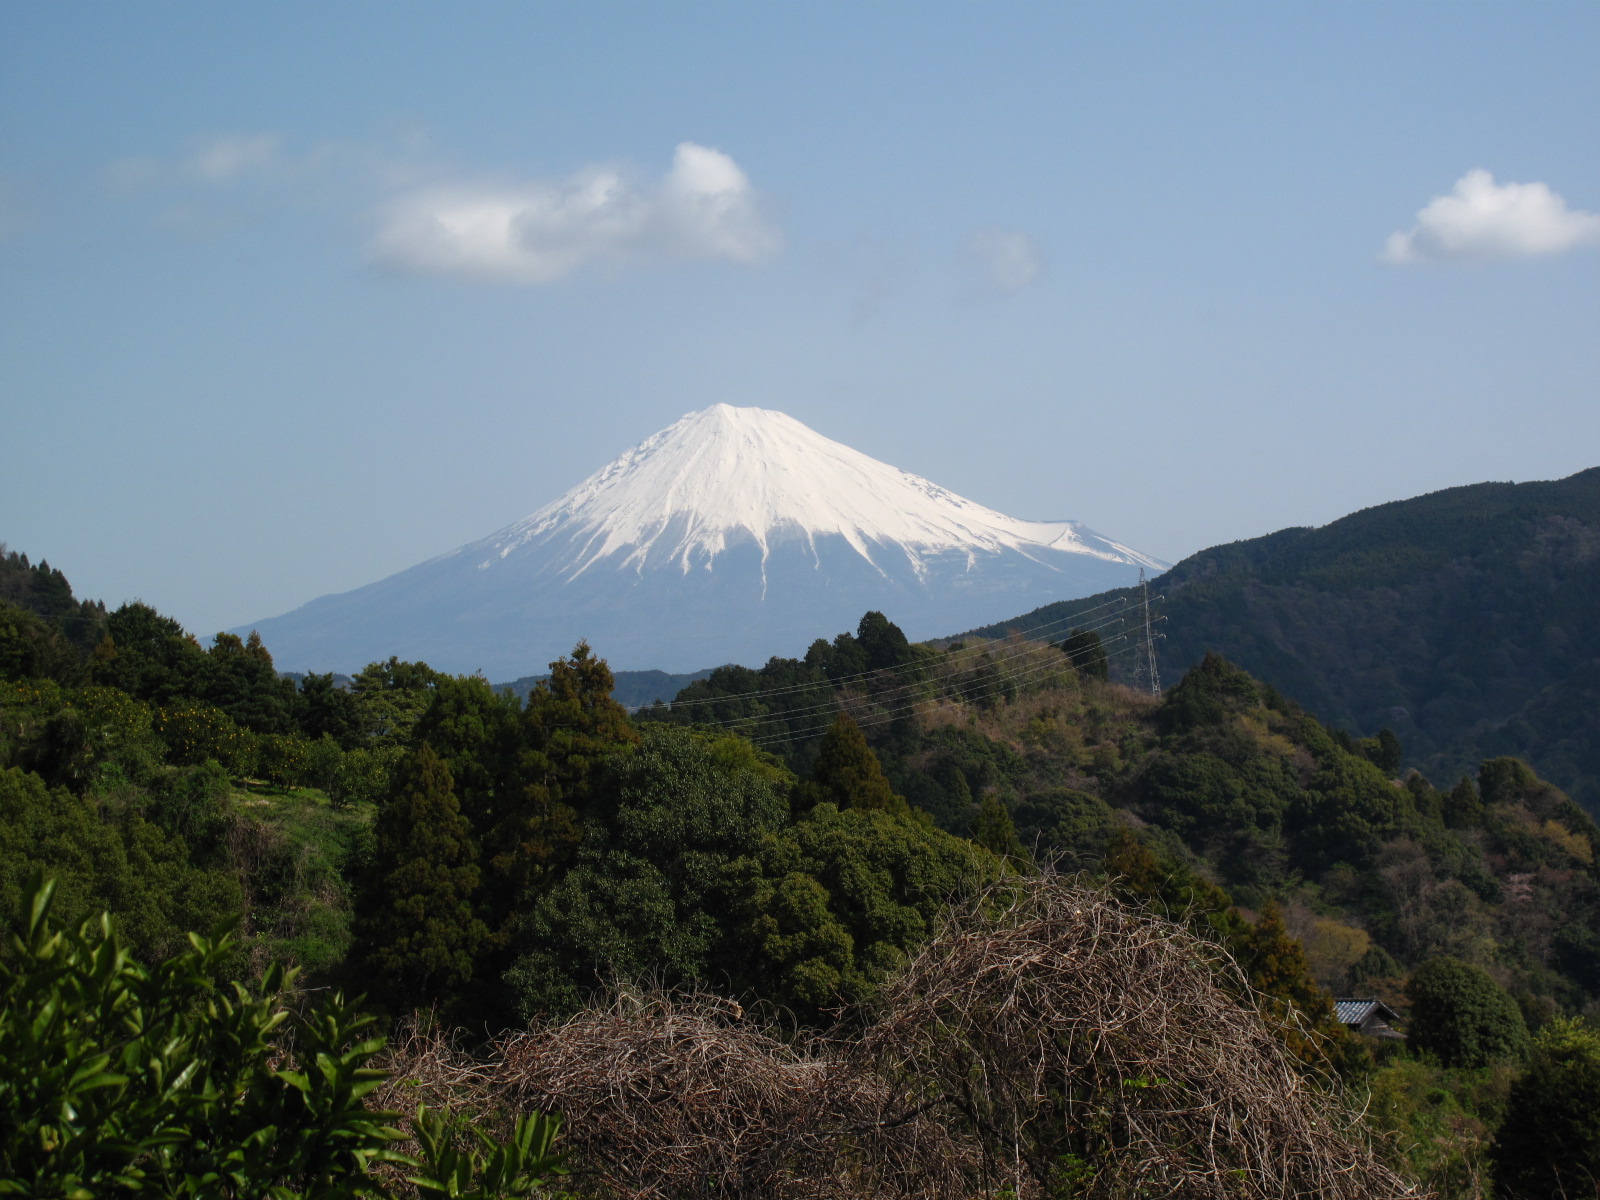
(725, 474)
(732, 535)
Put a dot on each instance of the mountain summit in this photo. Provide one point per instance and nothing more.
(730, 535)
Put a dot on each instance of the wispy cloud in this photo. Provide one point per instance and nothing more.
(1007, 260)
(704, 208)
(219, 159)
(1483, 220)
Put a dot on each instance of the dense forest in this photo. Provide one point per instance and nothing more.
(764, 940)
(1467, 621)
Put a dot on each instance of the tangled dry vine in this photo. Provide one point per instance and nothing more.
(1051, 1041)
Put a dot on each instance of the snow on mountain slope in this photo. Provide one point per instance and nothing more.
(731, 535)
(680, 495)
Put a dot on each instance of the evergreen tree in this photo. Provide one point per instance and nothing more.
(1087, 654)
(1462, 1015)
(415, 917)
(570, 730)
(994, 830)
(1276, 966)
(1549, 1144)
(147, 655)
(238, 678)
(882, 643)
(1462, 808)
(847, 774)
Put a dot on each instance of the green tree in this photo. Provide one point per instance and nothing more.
(415, 917)
(833, 904)
(477, 731)
(1276, 965)
(648, 892)
(238, 678)
(109, 859)
(571, 730)
(1462, 1015)
(325, 708)
(994, 830)
(1549, 1143)
(882, 644)
(389, 699)
(31, 648)
(119, 1077)
(847, 774)
(148, 656)
(1087, 654)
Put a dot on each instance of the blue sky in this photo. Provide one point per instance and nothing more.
(293, 296)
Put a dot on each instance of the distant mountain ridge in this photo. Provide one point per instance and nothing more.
(1466, 620)
(726, 536)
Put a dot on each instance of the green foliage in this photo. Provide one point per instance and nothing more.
(148, 656)
(389, 698)
(1549, 1144)
(649, 891)
(418, 931)
(830, 906)
(1087, 653)
(1460, 1014)
(155, 1078)
(196, 733)
(570, 731)
(297, 857)
(847, 774)
(238, 678)
(282, 759)
(1066, 824)
(327, 710)
(883, 645)
(119, 1076)
(76, 738)
(464, 1162)
(1437, 1123)
(43, 591)
(106, 857)
(995, 831)
(32, 648)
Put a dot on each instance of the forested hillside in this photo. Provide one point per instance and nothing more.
(1467, 621)
(794, 873)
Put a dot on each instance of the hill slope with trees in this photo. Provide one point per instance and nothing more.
(1466, 621)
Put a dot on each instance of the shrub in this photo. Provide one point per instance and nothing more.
(121, 1077)
(1462, 1015)
(1549, 1144)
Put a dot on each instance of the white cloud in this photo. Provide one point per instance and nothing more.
(703, 208)
(1008, 261)
(1482, 220)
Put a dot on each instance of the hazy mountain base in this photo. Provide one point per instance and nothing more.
(1467, 621)
(744, 606)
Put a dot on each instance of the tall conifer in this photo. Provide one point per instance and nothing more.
(847, 773)
(416, 919)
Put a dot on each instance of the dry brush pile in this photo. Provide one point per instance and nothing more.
(1051, 1042)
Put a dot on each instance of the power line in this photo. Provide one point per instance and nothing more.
(1120, 602)
(971, 692)
(950, 671)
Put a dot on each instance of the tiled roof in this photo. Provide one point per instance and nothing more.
(1356, 1012)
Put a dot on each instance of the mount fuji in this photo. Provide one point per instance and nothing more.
(732, 535)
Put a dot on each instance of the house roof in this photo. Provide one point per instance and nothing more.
(1357, 1013)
